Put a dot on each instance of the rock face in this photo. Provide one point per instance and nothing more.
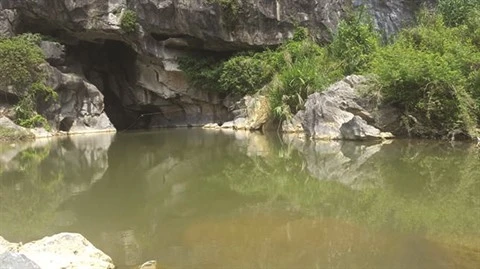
(137, 73)
(251, 113)
(60, 251)
(340, 112)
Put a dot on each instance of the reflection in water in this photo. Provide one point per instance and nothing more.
(219, 199)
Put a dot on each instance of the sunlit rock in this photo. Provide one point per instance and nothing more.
(66, 251)
(343, 111)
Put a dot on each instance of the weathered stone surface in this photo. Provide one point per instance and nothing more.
(79, 108)
(12, 260)
(358, 129)
(8, 20)
(252, 112)
(54, 52)
(66, 251)
(202, 24)
(341, 112)
(294, 125)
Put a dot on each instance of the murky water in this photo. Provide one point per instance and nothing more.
(206, 199)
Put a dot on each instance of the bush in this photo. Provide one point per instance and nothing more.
(456, 12)
(128, 22)
(427, 71)
(354, 43)
(246, 74)
(203, 71)
(20, 59)
(306, 68)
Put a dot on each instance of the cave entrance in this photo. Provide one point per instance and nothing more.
(110, 65)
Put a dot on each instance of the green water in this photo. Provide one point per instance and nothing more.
(207, 199)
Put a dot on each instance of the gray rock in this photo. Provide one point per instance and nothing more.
(66, 251)
(358, 129)
(251, 112)
(342, 112)
(54, 52)
(8, 21)
(294, 125)
(79, 107)
(12, 260)
(202, 24)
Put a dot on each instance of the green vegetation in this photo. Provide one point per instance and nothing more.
(432, 70)
(20, 60)
(128, 22)
(354, 43)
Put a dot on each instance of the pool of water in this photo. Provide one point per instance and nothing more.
(193, 198)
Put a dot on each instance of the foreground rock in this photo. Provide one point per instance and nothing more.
(60, 251)
(343, 111)
(9, 131)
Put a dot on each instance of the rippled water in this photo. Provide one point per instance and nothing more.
(206, 199)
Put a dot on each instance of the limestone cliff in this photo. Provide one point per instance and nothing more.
(136, 75)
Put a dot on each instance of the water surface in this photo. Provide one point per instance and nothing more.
(208, 199)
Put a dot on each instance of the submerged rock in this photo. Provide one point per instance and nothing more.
(343, 112)
(60, 251)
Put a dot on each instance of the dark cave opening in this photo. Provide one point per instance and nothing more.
(110, 66)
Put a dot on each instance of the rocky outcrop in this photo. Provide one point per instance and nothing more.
(211, 24)
(137, 73)
(342, 111)
(60, 251)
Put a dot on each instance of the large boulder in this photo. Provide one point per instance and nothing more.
(66, 251)
(343, 111)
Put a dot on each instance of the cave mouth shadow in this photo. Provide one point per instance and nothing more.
(111, 66)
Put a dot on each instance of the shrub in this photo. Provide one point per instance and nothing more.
(456, 12)
(427, 70)
(203, 71)
(354, 43)
(20, 59)
(246, 74)
(128, 22)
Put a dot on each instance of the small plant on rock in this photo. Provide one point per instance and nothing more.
(128, 22)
